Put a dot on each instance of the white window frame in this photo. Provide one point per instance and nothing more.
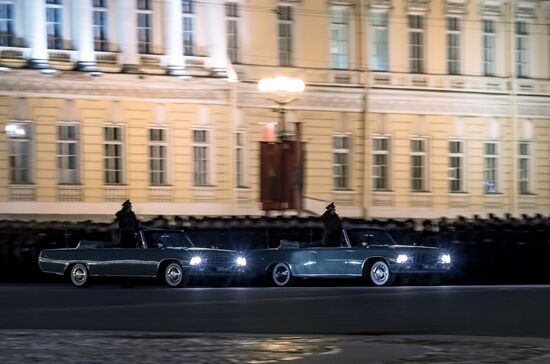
(423, 154)
(454, 44)
(145, 31)
(7, 25)
(491, 168)
(54, 27)
(525, 168)
(341, 171)
(416, 25)
(240, 159)
(109, 173)
(522, 58)
(488, 44)
(66, 175)
(232, 29)
(285, 31)
(158, 176)
(189, 35)
(20, 135)
(202, 172)
(100, 25)
(457, 173)
(379, 59)
(381, 177)
(339, 37)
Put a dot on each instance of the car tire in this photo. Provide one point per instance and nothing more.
(79, 275)
(379, 273)
(281, 275)
(174, 276)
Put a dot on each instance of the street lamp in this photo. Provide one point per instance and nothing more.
(282, 90)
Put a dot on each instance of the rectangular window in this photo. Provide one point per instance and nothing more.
(145, 26)
(453, 45)
(54, 24)
(380, 163)
(340, 152)
(157, 157)
(19, 152)
(490, 173)
(489, 47)
(67, 154)
(7, 16)
(339, 29)
(239, 159)
(201, 152)
(416, 43)
(379, 42)
(232, 22)
(524, 165)
(113, 155)
(456, 166)
(522, 49)
(188, 9)
(418, 165)
(285, 35)
(100, 26)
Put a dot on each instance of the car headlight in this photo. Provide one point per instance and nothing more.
(402, 258)
(446, 259)
(241, 261)
(195, 261)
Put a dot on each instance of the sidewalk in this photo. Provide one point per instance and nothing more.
(26, 346)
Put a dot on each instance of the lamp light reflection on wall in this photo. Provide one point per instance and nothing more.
(15, 130)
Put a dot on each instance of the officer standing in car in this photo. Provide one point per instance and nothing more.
(128, 225)
(333, 226)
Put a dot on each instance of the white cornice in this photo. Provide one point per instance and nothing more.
(443, 103)
(491, 8)
(526, 8)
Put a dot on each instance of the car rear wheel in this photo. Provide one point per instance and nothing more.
(174, 276)
(380, 274)
(281, 276)
(79, 275)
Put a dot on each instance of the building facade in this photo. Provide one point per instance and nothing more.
(412, 108)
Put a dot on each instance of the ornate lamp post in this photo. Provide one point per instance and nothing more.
(281, 163)
(282, 90)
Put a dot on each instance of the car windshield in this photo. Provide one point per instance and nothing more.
(167, 239)
(370, 237)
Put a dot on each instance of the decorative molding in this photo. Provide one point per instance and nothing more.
(22, 192)
(420, 7)
(457, 7)
(491, 8)
(526, 9)
(381, 5)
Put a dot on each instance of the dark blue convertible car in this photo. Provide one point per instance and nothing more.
(167, 254)
(364, 252)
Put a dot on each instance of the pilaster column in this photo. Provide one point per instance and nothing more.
(35, 18)
(127, 35)
(175, 62)
(83, 34)
(216, 36)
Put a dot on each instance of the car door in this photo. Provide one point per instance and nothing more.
(332, 261)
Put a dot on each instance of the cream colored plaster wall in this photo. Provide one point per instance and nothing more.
(5, 116)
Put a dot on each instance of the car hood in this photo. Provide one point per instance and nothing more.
(406, 247)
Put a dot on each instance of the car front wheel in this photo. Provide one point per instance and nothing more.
(79, 275)
(379, 273)
(281, 275)
(174, 276)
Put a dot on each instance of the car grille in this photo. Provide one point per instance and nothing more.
(219, 261)
(427, 259)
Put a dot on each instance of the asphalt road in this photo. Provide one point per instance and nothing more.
(505, 311)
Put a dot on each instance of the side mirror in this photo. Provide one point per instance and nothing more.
(364, 244)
